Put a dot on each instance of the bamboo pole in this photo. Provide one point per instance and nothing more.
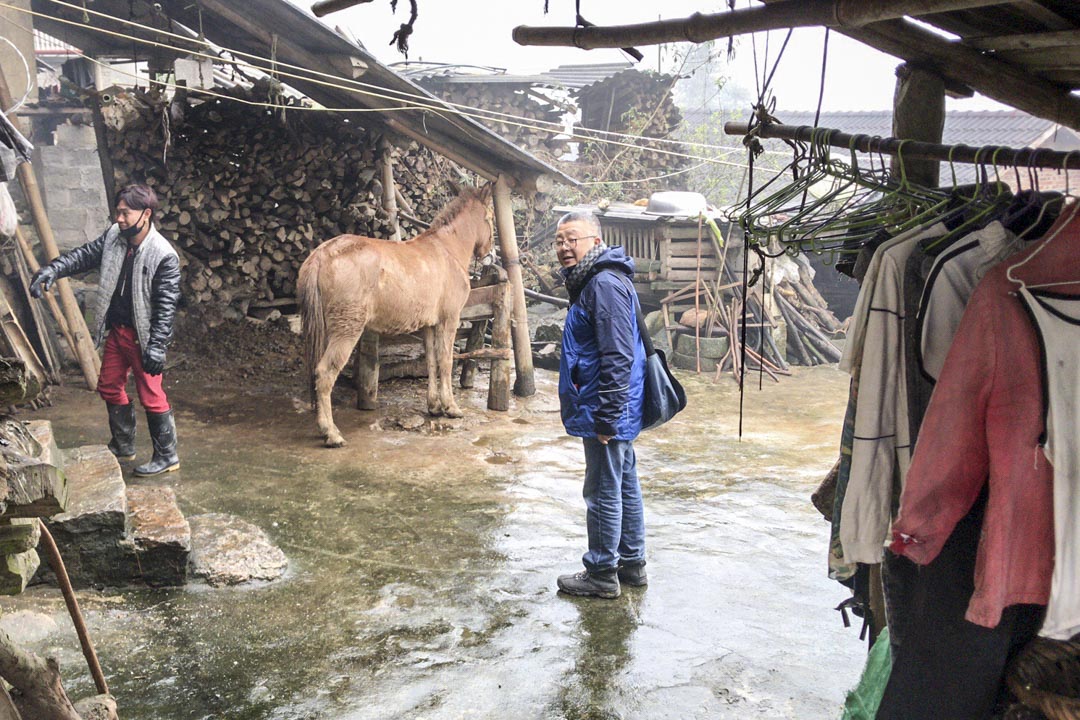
(85, 352)
(50, 301)
(524, 382)
(913, 149)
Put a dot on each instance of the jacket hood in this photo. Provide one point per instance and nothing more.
(614, 258)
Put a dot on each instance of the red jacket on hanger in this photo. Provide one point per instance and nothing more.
(984, 424)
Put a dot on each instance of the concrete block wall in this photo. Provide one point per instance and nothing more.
(74, 189)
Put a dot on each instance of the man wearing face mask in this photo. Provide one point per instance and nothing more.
(138, 291)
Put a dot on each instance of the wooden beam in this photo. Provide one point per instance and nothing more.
(1043, 14)
(700, 27)
(993, 78)
(1025, 41)
(325, 7)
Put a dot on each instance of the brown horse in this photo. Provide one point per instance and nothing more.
(350, 284)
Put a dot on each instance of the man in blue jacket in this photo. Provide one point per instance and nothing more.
(601, 386)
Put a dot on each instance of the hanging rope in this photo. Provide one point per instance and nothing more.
(401, 37)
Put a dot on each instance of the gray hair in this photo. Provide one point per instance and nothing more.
(584, 216)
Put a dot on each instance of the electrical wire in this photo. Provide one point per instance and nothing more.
(354, 86)
(426, 106)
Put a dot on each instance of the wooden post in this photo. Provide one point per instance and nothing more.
(499, 385)
(475, 342)
(918, 114)
(524, 383)
(366, 371)
(389, 196)
(108, 174)
(84, 346)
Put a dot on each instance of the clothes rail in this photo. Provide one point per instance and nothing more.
(914, 149)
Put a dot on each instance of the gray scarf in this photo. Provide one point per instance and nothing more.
(575, 277)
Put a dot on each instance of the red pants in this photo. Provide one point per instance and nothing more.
(122, 353)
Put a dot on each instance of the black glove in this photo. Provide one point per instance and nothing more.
(43, 280)
(153, 360)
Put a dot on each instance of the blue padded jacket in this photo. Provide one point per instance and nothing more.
(602, 369)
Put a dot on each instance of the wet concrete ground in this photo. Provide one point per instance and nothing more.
(422, 566)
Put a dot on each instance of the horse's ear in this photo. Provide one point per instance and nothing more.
(485, 191)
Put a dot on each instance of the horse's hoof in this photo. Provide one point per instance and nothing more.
(335, 442)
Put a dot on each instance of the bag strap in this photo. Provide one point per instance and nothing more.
(643, 330)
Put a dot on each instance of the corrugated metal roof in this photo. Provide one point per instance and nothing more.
(573, 77)
(579, 76)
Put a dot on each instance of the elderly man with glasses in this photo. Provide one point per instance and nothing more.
(601, 387)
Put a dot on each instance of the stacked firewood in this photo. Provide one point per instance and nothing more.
(247, 193)
(534, 116)
(633, 103)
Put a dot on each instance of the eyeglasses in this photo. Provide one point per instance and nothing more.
(561, 243)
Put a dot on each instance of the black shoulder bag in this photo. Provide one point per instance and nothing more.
(664, 395)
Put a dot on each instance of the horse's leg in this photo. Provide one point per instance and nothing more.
(445, 334)
(333, 359)
(434, 407)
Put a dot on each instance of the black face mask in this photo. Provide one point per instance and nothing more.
(131, 231)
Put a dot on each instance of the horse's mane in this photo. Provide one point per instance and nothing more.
(454, 207)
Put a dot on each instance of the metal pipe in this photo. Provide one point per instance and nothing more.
(57, 564)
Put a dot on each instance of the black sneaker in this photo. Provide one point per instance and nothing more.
(633, 575)
(603, 584)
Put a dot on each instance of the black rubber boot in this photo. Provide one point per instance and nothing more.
(603, 584)
(122, 427)
(633, 574)
(163, 434)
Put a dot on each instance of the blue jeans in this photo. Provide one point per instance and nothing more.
(614, 513)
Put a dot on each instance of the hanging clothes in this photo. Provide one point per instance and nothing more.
(945, 291)
(983, 426)
(853, 346)
(1057, 322)
(881, 449)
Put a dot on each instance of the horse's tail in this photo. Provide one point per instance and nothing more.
(312, 318)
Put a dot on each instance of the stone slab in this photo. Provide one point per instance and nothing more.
(226, 550)
(42, 432)
(94, 535)
(16, 571)
(161, 534)
(29, 486)
(18, 535)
